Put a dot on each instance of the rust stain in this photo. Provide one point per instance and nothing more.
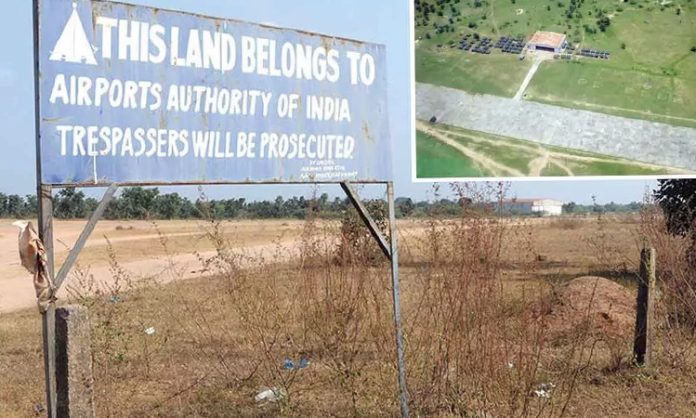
(94, 19)
(53, 120)
(300, 103)
(327, 43)
(366, 132)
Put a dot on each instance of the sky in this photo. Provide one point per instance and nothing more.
(385, 21)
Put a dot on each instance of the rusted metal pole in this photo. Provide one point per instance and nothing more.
(48, 319)
(396, 298)
(366, 218)
(45, 230)
(642, 344)
(390, 250)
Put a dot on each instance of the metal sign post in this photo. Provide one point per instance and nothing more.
(48, 318)
(390, 251)
(130, 95)
(396, 298)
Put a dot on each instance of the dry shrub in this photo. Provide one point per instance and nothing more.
(676, 280)
(610, 258)
(473, 350)
(337, 317)
(356, 243)
(473, 346)
(566, 223)
(222, 341)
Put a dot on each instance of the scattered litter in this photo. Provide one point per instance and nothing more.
(544, 390)
(542, 393)
(38, 408)
(150, 331)
(270, 395)
(511, 365)
(288, 364)
(115, 299)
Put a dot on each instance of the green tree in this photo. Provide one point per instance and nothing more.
(168, 206)
(69, 204)
(3, 205)
(91, 205)
(677, 199)
(404, 206)
(136, 203)
(14, 206)
(603, 22)
(31, 205)
(570, 207)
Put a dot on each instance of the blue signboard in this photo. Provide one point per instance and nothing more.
(132, 94)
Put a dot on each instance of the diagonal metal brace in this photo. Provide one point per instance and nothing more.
(80, 243)
(367, 218)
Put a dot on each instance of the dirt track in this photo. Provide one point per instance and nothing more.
(138, 249)
(16, 291)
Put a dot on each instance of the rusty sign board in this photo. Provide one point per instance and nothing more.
(134, 94)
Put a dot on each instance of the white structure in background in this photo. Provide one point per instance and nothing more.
(543, 207)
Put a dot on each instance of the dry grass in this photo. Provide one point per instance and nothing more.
(474, 293)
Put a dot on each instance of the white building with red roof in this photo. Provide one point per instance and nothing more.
(547, 41)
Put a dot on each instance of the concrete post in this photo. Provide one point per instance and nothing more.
(75, 382)
(642, 344)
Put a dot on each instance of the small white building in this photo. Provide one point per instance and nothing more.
(541, 206)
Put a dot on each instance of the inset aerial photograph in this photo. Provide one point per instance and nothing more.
(532, 88)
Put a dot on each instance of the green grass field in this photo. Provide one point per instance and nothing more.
(438, 159)
(471, 72)
(651, 73)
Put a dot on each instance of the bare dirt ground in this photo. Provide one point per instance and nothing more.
(149, 249)
(138, 247)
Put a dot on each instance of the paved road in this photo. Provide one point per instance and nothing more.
(527, 79)
(650, 142)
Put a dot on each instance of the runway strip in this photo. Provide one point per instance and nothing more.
(634, 139)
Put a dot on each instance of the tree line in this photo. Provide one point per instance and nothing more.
(611, 207)
(150, 203)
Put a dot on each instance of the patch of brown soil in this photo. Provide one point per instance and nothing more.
(606, 307)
